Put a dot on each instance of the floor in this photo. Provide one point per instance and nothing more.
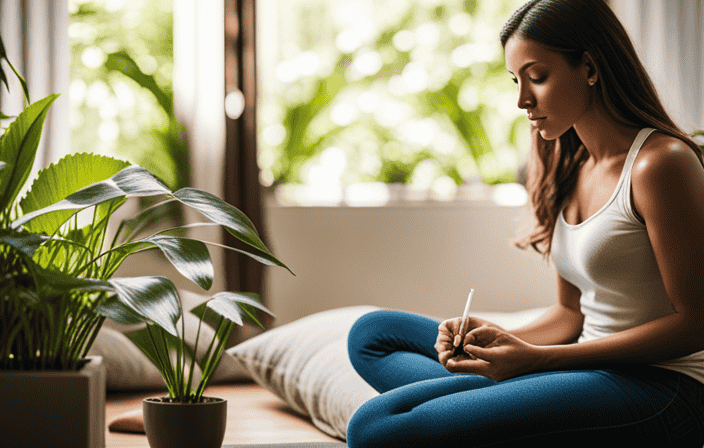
(254, 416)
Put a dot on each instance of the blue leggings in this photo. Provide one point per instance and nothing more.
(423, 405)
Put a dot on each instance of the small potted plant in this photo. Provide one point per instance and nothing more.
(57, 260)
(186, 417)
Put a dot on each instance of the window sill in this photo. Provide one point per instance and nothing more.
(395, 195)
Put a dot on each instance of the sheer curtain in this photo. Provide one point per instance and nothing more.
(669, 37)
(35, 34)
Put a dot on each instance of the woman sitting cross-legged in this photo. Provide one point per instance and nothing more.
(617, 190)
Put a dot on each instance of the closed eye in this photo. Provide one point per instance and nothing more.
(533, 80)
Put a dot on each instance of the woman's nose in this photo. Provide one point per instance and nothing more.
(525, 99)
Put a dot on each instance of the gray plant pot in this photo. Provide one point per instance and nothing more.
(185, 425)
(53, 408)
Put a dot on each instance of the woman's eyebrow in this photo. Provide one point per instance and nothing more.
(525, 66)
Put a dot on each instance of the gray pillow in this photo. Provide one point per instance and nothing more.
(306, 364)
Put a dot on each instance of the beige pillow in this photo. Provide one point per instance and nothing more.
(306, 364)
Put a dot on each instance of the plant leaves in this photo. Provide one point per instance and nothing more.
(114, 309)
(132, 181)
(24, 242)
(144, 342)
(54, 284)
(190, 257)
(3, 77)
(123, 63)
(153, 298)
(220, 212)
(18, 148)
(267, 259)
(3, 55)
(57, 181)
(229, 305)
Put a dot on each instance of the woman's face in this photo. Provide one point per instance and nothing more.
(554, 93)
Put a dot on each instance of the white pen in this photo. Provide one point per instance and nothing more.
(458, 338)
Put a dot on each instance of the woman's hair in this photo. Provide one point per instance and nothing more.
(624, 90)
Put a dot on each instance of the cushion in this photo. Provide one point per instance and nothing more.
(306, 364)
(128, 368)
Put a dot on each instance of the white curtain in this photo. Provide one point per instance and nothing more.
(35, 34)
(669, 37)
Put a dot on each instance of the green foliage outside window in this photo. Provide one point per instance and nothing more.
(425, 91)
(122, 88)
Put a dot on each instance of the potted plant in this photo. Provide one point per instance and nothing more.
(56, 287)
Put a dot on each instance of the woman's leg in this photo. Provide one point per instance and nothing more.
(390, 349)
(639, 406)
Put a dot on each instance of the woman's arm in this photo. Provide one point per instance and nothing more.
(668, 193)
(561, 324)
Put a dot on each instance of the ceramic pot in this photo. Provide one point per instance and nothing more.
(185, 425)
(53, 408)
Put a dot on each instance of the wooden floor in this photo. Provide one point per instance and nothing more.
(254, 415)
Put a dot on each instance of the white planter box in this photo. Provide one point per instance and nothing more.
(418, 256)
(53, 409)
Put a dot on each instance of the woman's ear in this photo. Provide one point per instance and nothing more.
(590, 66)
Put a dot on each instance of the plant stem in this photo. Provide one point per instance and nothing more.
(195, 353)
(164, 371)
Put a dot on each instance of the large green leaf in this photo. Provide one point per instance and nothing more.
(132, 181)
(220, 212)
(264, 258)
(60, 180)
(154, 299)
(18, 148)
(113, 308)
(190, 257)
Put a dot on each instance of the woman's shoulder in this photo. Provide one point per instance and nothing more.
(662, 154)
(666, 169)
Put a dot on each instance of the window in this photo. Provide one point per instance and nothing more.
(360, 91)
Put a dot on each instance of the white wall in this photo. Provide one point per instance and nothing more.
(420, 257)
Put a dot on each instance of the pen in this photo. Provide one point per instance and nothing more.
(458, 338)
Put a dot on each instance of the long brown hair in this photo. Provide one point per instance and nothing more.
(624, 90)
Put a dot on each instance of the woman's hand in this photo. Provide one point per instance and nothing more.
(448, 331)
(496, 354)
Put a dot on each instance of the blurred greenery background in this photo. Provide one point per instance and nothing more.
(352, 91)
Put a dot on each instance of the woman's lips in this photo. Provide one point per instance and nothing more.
(535, 121)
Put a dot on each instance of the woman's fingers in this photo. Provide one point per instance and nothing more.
(482, 336)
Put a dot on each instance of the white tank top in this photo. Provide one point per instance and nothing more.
(609, 258)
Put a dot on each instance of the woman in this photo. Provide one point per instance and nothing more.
(618, 195)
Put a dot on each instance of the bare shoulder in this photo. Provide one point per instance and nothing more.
(666, 169)
(661, 151)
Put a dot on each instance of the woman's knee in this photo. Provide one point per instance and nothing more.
(380, 332)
